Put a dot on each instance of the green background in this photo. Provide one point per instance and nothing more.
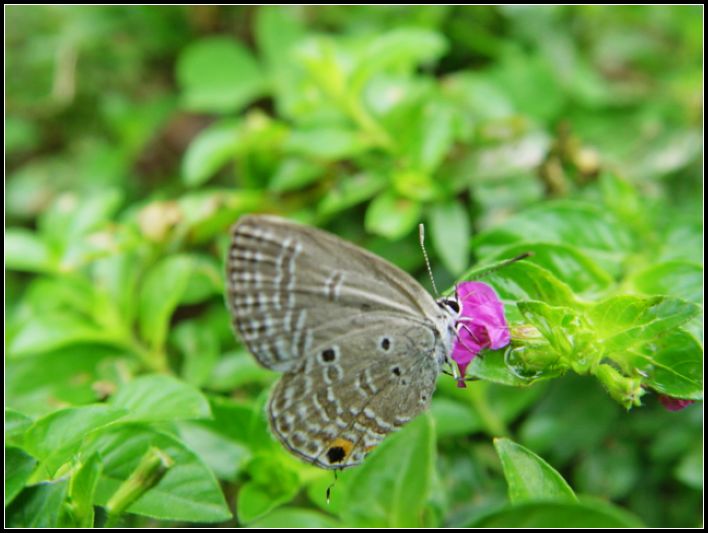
(135, 136)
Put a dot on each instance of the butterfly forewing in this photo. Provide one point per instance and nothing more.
(290, 286)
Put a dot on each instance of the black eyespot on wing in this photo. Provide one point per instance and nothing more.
(396, 370)
(449, 304)
(328, 355)
(335, 454)
(385, 343)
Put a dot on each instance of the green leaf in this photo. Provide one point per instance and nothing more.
(586, 226)
(26, 251)
(622, 459)
(501, 405)
(35, 385)
(199, 343)
(454, 418)
(681, 279)
(350, 191)
(53, 330)
(529, 477)
(672, 365)
(621, 196)
(208, 213)
(294, 173)
(158, 398)
(240, 422)
(19, 466)
(162, 290)
(21, 134)
(71, 217)
(391, 216)
(54, 438)
(566, 263)
(218, 75)
(478, 95)
(292, 517)
(435, 135)
(526, 281)
(391, 488)
(624, 321)
(224, 456)
(690, 470)
(209, 151)
(117, 276)
(545, 429)
(15, 423)
(450, 229)
(187, 492)
(71, 294)
(236, 369)
(278, 30)
(206, 280)
(558, 515)
(398, 50)
(413, 184)
(82, 489)
(272, 485)
(528, 80)
(326, 143)
(38, 506)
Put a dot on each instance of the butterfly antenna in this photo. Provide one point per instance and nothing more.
(421, 235)
(485, 271)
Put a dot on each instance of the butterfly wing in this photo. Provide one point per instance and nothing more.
(359, 340)
(335, 410)
(293, 288)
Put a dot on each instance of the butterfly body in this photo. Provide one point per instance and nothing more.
(359, 342)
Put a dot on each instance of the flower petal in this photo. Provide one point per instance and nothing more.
(476, 292)
(674, 404)
(481, 324)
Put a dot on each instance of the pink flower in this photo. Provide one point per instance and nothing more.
(674, 404)
(481, 325)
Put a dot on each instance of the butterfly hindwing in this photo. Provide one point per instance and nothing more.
(337, 408)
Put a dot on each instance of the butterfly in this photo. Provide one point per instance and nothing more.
(359, 342)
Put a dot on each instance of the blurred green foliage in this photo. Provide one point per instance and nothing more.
(136, 135)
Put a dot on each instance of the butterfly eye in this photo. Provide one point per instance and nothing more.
(449, 304)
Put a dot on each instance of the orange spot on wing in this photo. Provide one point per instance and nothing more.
(344, 444)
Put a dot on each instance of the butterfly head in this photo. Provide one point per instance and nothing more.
(479, 321)
(449, 316)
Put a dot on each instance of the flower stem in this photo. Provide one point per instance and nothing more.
(493, 425)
